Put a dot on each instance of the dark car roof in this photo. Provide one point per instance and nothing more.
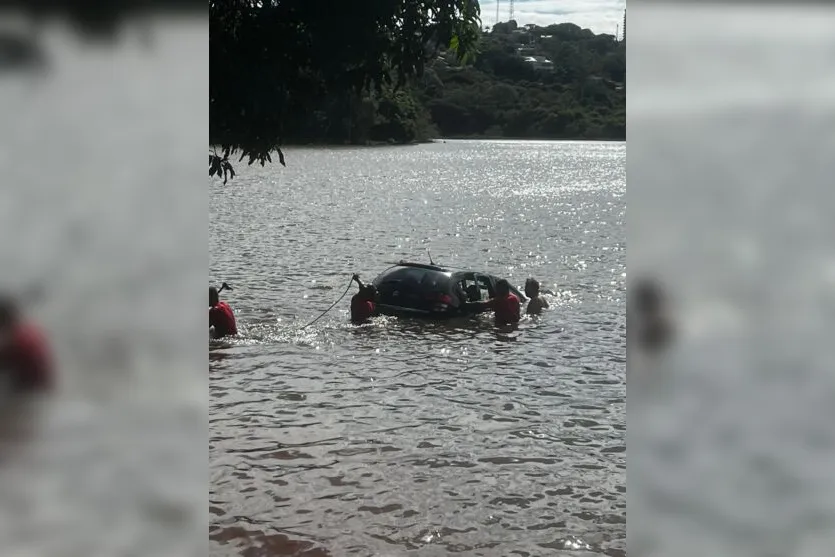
(419, 273)
(416, 273)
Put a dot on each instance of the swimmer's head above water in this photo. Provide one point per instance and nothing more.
(531, 288)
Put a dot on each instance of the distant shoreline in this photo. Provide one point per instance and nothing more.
(506, 138)
(378, 144)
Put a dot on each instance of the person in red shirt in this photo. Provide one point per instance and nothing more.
(362, 303)
(505, 304)
(221, 319)
(25, 358)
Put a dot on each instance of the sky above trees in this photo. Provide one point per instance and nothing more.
(601, 16)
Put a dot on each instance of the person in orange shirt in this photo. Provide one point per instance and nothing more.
(221, 318)
(25, 357)
(362, 303)
(505, 304)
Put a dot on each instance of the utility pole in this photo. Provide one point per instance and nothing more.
(511, 11)
(624, 25)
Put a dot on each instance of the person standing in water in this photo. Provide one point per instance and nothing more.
(537, 302)
(362, 303)
(649, 324)
(505, 304)
(25, 358)
(221, 318)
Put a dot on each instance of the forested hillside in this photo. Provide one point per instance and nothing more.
(557, 82)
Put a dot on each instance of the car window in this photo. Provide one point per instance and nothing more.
(466, 287)
(485, 286)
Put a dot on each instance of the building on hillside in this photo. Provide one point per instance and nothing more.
(539, 62)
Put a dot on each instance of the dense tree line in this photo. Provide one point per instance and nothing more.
(285, 70)
(580, 95)
(503, 92)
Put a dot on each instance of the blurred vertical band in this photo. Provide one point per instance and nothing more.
(103, 214)
(731, 120)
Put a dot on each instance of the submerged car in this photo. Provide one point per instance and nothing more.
(416, 289)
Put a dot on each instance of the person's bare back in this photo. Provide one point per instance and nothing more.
(536, 305)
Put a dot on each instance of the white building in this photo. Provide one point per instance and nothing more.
(539, 62)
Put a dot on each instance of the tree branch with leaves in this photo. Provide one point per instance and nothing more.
(268, 59)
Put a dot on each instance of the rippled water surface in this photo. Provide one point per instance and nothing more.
(406, 437)
(731, 438)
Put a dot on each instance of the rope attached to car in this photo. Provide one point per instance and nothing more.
(332, 305)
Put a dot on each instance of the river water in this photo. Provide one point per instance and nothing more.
(402, 437)
(730, 172)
